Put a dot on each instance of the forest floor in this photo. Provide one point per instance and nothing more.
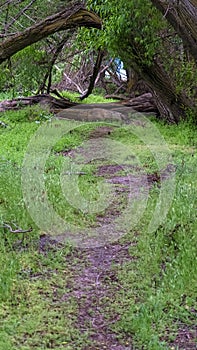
(123, 288)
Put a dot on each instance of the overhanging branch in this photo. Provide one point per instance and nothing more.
(74, 17)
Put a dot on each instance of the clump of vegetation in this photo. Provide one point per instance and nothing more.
(93, 98)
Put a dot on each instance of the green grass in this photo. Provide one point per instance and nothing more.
(160, 288)
(35, 312)
(93, 98)
(158, 293)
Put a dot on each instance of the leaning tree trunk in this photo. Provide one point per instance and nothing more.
(182, 15)
(171, 105)
(76, 16)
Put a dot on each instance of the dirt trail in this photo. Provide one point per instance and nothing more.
(95, 275)
(128, 182)
(95, 282)
(94, 286)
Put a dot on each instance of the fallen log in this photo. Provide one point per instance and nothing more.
(144, 104)
(117, 97)
(122, 112)
(44, 99)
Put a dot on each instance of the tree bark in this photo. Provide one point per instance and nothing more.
(143, 103)
(170, 104)
(182, 15)
(77, 16)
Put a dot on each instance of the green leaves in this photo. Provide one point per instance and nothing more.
(128, 27)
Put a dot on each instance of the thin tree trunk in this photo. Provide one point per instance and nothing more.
(76, 16)
(48, 74)
(96, 69)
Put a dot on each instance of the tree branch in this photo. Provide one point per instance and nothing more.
(77, 16)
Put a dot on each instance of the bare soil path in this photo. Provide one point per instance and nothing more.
(95, 271)
(94, 286)
(95, 283)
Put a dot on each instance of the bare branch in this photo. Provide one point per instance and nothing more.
(19, 15)
(72, 81)
(103, 70)
(48, 74)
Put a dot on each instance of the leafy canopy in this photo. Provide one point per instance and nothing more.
(126, 23)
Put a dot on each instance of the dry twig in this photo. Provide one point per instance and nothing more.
(18, 230)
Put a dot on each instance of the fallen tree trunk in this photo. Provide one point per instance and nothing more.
(44, 99)
(143, 103)
(76, 16)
